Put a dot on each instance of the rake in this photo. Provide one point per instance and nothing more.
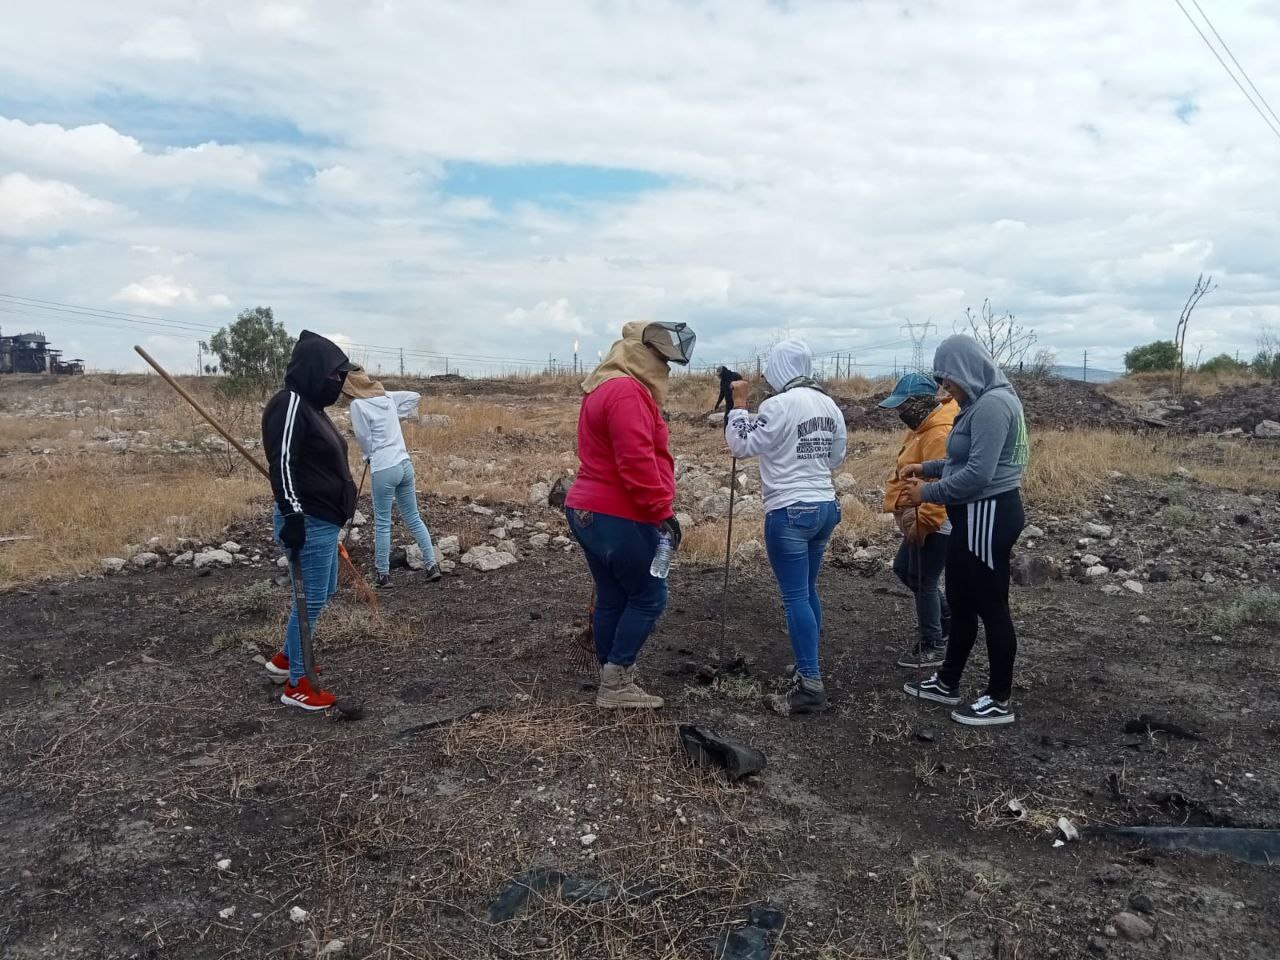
(348, 570)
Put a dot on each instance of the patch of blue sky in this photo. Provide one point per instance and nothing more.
(161, 123)
(1185, 109)
(546, 184)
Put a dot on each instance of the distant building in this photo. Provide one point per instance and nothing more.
(30, 353)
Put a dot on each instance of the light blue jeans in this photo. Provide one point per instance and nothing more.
(795, 539)
(395, 484)
(319, 577)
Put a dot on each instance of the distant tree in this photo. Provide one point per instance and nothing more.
(1007, 340)
(1203, 286)
(1160, 355)
(1222, 363)
(254, 351)
(1266, 362)
(1043, 363)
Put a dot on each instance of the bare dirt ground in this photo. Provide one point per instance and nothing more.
(158, 802)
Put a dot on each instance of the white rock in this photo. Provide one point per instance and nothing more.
(515, 524)
(359, 519)
(458, 465)
(849, 504)
(750, 550)
(508, 546)
(1144, 620)
(281, 562)
(749, 508)
(334, 948)
(1115, 474)
(485, 559)
(226, 913)
(231, 546)
(298, 915)
(864, 554)
(1033, 533)
(715, 420)
(184, 559)
(716, 505)
(1183, 472)
(540, 541)
(587, 839)
(1209, 578)
(101, 433)
(538, 494)
(1097, 570)
(112, 565)
(354, 535)
(1111, 589)
(435, 420)
(145, 561)
(413, 557)
(1099, 530)
(1090, 560)
(448, 547)
(845, 483)
(224, 864)
(563, 542)
(1133, 586)
(213, 558)
(685, 520)
(498, 533)
(1267, 430)
(118, 445)
(480, 510)
(447, 566)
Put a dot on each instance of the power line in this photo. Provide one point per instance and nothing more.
(1241, 68)
(1212, 49)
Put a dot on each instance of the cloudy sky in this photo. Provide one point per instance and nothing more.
(498, 179)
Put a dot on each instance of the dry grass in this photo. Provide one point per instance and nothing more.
(1137, 386)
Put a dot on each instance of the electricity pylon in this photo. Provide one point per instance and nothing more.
(918, 334)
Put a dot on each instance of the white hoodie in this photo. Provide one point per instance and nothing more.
(799, 434)
(376, 423)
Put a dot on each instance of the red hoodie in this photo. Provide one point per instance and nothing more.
(627, 470)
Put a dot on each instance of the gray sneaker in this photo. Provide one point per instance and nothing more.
(923, 656)
(618, 690)
(805, 695)
(433, 573)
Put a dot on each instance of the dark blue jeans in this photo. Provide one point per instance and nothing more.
(628, 600)
(919, 567)
(795, 538)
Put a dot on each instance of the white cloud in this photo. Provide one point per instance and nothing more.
(156, 291)
(556, 316)
(31, 207)
(164, 39)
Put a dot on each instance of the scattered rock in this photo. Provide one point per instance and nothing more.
(750, 550)
(1131, 926)
(587, 839)
(487, 559)
(359, 519)
(145, 561)
(213, 558)
(1032, 532)
(845, 483)
(231, 546)
(1099, 530)
(1097, 570)
(716, 505)
(685, 520)
(1267, 430)
(226, 913)
(447, 566)
(563, 542)
(748, 508)
(1142, 903)
(112, 565)
(480, 510)
(1133, 586)
(538, 493)
(118, 445)
(438, 420)
(1163, 573)
(1111, 589)
(334, 948)
(298, 915)
(540, 541)
(413, 557)
(448, 547)
(1034, 571)
(224, 864)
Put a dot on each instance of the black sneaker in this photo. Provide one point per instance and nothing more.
(923, 656)
(932, 689)
(383, 581)
(433, 573)
(983, 712)
(804, 696)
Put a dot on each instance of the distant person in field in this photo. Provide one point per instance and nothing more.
(622, 500)
(799, 435)
(925, 528)
(314, 494)
(375, 420)
(727, 379)
(979, 482)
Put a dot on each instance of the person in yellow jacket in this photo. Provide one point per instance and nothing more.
(925, 528)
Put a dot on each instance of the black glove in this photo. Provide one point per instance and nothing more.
(293, 532)
(671, 527)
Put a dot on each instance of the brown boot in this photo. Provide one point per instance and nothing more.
(618, 690)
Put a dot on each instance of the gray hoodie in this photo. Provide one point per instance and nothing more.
(988, 449)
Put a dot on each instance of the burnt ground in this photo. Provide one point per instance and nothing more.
(140, 746)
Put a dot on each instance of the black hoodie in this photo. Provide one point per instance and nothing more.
(306, 453)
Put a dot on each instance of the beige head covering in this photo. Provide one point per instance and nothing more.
(360, 386)
(629, 357)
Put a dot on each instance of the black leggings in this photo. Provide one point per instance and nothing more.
(982, 537)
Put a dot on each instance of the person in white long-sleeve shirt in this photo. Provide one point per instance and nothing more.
(375, 420)
(800, 437)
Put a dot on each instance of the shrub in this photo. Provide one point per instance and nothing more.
(1256, 608)
(1160, 355)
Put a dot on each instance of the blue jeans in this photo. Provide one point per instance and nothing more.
(795, 538)
(319, 576)
(628, 599)
(919, 567)
(395, 484)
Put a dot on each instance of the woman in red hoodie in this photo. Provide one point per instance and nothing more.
(620, 504)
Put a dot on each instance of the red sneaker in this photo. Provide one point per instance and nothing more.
(304, 697)
(278, 668)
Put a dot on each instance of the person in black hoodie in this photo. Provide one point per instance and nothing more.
(314, 493)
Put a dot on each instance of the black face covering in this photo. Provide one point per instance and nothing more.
(915, 410)
(331, 390)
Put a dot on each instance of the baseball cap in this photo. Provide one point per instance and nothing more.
(912, 385)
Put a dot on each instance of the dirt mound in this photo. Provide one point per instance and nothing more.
(1234, 409)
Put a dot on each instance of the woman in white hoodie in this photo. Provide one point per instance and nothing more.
(375, 419)
(799, 436)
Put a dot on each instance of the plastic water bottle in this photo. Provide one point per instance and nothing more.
(662, 557)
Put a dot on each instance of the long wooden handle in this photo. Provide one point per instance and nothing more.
(195, 404)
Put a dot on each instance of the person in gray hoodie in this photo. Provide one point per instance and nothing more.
(980, 483)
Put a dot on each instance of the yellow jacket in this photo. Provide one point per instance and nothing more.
(926, 442)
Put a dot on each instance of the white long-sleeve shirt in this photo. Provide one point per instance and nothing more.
(376, 424)
(800, 437)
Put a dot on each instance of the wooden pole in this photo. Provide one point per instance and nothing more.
(195, 404)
